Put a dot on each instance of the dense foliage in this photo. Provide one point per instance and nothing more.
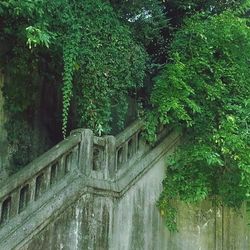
(146, 18)
(94, 50)
(76, 62)
(80, 53)
(205, 90)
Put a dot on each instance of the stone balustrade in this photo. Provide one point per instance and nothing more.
(28, 185)
(82, 165)
(105, 159)
(89, 192)
(112, 155)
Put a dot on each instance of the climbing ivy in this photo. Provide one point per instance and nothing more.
(205, 91)
(70, 51)
(81, 50)
(96, 55)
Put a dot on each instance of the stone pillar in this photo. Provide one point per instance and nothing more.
(3, 135)
(85, 164)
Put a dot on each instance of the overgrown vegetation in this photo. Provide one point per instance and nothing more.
(205, 90)
(72, 63)
(84, 49)
(93, 47)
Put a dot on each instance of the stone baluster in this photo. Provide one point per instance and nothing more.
(61, 166)
(14, 203)
(47, 174)
(125, 151)
(110, 156)
(72, 160)
(32, 184)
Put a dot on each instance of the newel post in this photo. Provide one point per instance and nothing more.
(111, 156)
(85, 162)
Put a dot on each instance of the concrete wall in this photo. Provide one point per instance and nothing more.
(206, 227)
(73, 197)
(97, 222)
(132, 222)
(84, 225)
(137, 222)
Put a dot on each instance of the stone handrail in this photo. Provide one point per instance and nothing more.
(113, 155)
(104, 158)
(31, 182)
(81, 164)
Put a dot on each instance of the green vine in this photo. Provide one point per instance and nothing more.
(92, 50)
(70, 52)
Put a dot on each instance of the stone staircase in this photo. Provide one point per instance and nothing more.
(82, 165)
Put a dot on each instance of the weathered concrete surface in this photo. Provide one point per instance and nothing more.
(132, 222)
(101, 223)
(204, 226)
(86, 211)
(3, 135)
(197, 227)
(137, 223)
(248, 222)
(235, 229)
(84, 225)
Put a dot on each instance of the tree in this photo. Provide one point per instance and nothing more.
(90, 44)
(205, 90)
(83, 49)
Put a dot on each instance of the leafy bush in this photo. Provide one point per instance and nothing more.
(205, 90)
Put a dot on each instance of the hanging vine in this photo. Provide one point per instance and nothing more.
(93, 50)
(70, 51)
